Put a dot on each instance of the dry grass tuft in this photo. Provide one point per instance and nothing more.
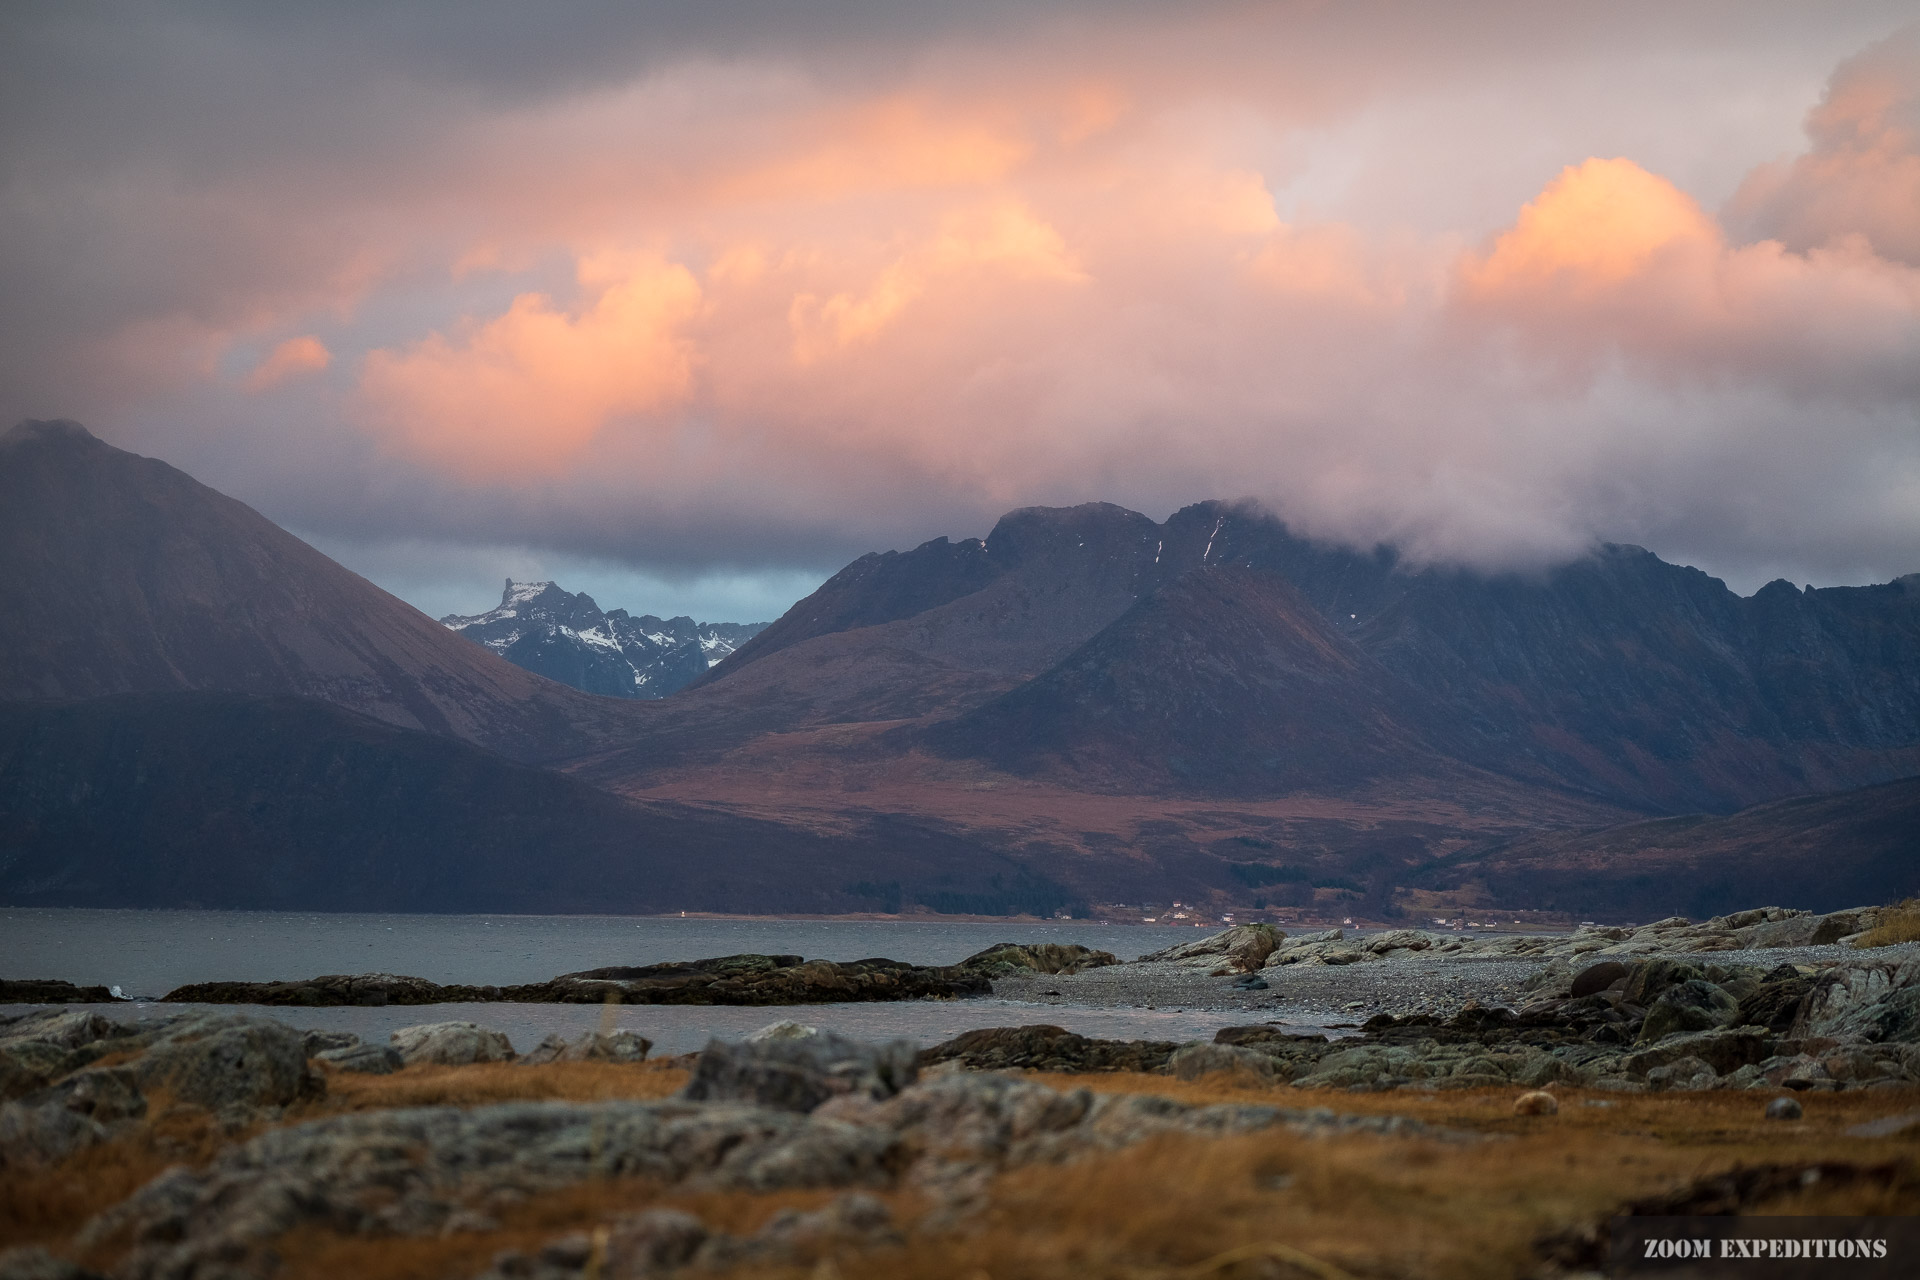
(484, 1083)
(39, 1206)
(1902, 925)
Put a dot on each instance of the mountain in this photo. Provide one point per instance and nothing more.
(129, 576)
(1617, 677)
(1224, 680)
(566, 637)
(1085, 705)
(1128, 704)
(1821, 852)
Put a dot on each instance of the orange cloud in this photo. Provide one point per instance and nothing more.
(1005, 239)
(889, 145)
(291, 359)
(1596, 225)
(525, 392)
(1613, 263)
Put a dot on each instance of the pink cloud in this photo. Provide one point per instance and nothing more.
(524, 392)
(296, 357)
(838, 300)
(1861, 176)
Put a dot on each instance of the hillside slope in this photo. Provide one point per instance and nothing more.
(224, 800)
(1820, 852)
(130, 576)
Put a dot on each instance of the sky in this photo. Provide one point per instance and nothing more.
(687, 305)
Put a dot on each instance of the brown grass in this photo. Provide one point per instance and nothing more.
(1903, 925)
(488, 1082)
(1268, 1205)
(39, 1206)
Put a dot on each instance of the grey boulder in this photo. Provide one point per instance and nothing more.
(1692, 1005)
(366, 1059)
(1191, 1062)
(594, 1046)
(800, 1074)
(451, 1044)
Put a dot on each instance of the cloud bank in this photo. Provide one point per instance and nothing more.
(690, 294)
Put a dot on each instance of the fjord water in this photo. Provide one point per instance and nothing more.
(148, 953)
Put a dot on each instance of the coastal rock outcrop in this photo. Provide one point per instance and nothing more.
(749, 979)
(1240, 949)
(54, 991)
(1004, 958)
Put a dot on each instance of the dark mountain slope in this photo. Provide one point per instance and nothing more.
(1096, 549)
(1647, 683)
(1052, 579)
(1820, 852)
(230, 800)
(127, 575)
(1225, 681)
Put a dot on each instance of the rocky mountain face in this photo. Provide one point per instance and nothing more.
(565, 636)
(130, 576)
(1220, 653)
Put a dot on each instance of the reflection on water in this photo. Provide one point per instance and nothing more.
(678, 1029)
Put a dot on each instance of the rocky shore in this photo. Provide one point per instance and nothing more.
(789, 1109)
(792, 1111)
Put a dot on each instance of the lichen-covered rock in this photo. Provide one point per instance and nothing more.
(612, 1046)
(785, 1029)
(44, 1134)
(374, 990)
(222, 1061)
(800, 1074)
(34, 1263)
(1006, 958)
(365, 1059)
(30, 1065)
(451, 1044)
(1398, 940)
(753, 979)
(1693, 1005)
(1596, 978)
(416, 1172)
(1689, 1075)
(1046, 1048)
(319, 1042)
(1724, 1050)
(1243, 948)
(1192, 1061)
(53, 991)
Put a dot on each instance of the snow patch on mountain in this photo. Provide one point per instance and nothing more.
(565, 636)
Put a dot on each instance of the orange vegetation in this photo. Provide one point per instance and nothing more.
(1474, 1202)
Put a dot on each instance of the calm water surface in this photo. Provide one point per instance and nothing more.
(147, 953)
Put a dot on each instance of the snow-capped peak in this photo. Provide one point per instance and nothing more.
(565, 636)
